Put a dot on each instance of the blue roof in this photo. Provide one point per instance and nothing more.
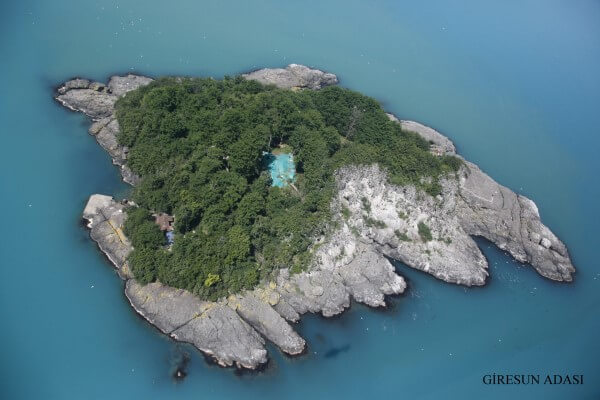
(170, 237)
(281, 167)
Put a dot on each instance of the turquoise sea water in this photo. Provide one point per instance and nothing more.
(514, 84)
(281, 168)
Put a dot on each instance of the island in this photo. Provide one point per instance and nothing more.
(262, 197)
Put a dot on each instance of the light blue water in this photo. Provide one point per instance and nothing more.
(281, 168)
(515, 84)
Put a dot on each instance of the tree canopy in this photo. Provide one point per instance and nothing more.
(198, 143)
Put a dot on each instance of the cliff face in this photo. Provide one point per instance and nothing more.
(375, 221)
(471, 204)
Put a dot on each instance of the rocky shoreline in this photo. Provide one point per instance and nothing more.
(375, 220)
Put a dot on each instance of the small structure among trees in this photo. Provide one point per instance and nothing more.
(164, 221)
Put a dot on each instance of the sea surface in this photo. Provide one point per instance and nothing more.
(515, 84)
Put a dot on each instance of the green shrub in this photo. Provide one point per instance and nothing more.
(433, 188)
(345, 212)
(402, 236)
(373, 222)
(211, 279)
(365, 204)
(424, 232)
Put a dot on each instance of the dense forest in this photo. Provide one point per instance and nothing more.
(198, 145)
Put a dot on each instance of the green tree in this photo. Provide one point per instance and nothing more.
(198, 146)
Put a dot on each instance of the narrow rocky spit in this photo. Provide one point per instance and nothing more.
(380, 222)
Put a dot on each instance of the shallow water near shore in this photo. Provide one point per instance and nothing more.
(515, 85)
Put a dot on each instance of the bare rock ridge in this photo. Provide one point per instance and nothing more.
(379, 221)
(97, 101)
(293, 76)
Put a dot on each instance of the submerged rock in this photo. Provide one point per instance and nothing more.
(179, 361)
(351, 263)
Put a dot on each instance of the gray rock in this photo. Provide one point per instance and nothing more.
(164, 307)
(286, 311)
(230, 331)
(97, 101)
(105, 220)
(370, 276)
(129, 176)
(472, 205)
(510, 221)
(222, 334)
(349, 263)
(401, 209)
(261, 316)
(119, 85)
(76, 83)
(214, 328)
(93, 103)
(105, 130)
(293, 76)
(316, 291)
(343, 268)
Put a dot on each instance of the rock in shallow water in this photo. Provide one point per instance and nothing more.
(351, 263)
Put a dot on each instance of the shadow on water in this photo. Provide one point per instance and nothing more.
(336, 351)
(179, 360)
